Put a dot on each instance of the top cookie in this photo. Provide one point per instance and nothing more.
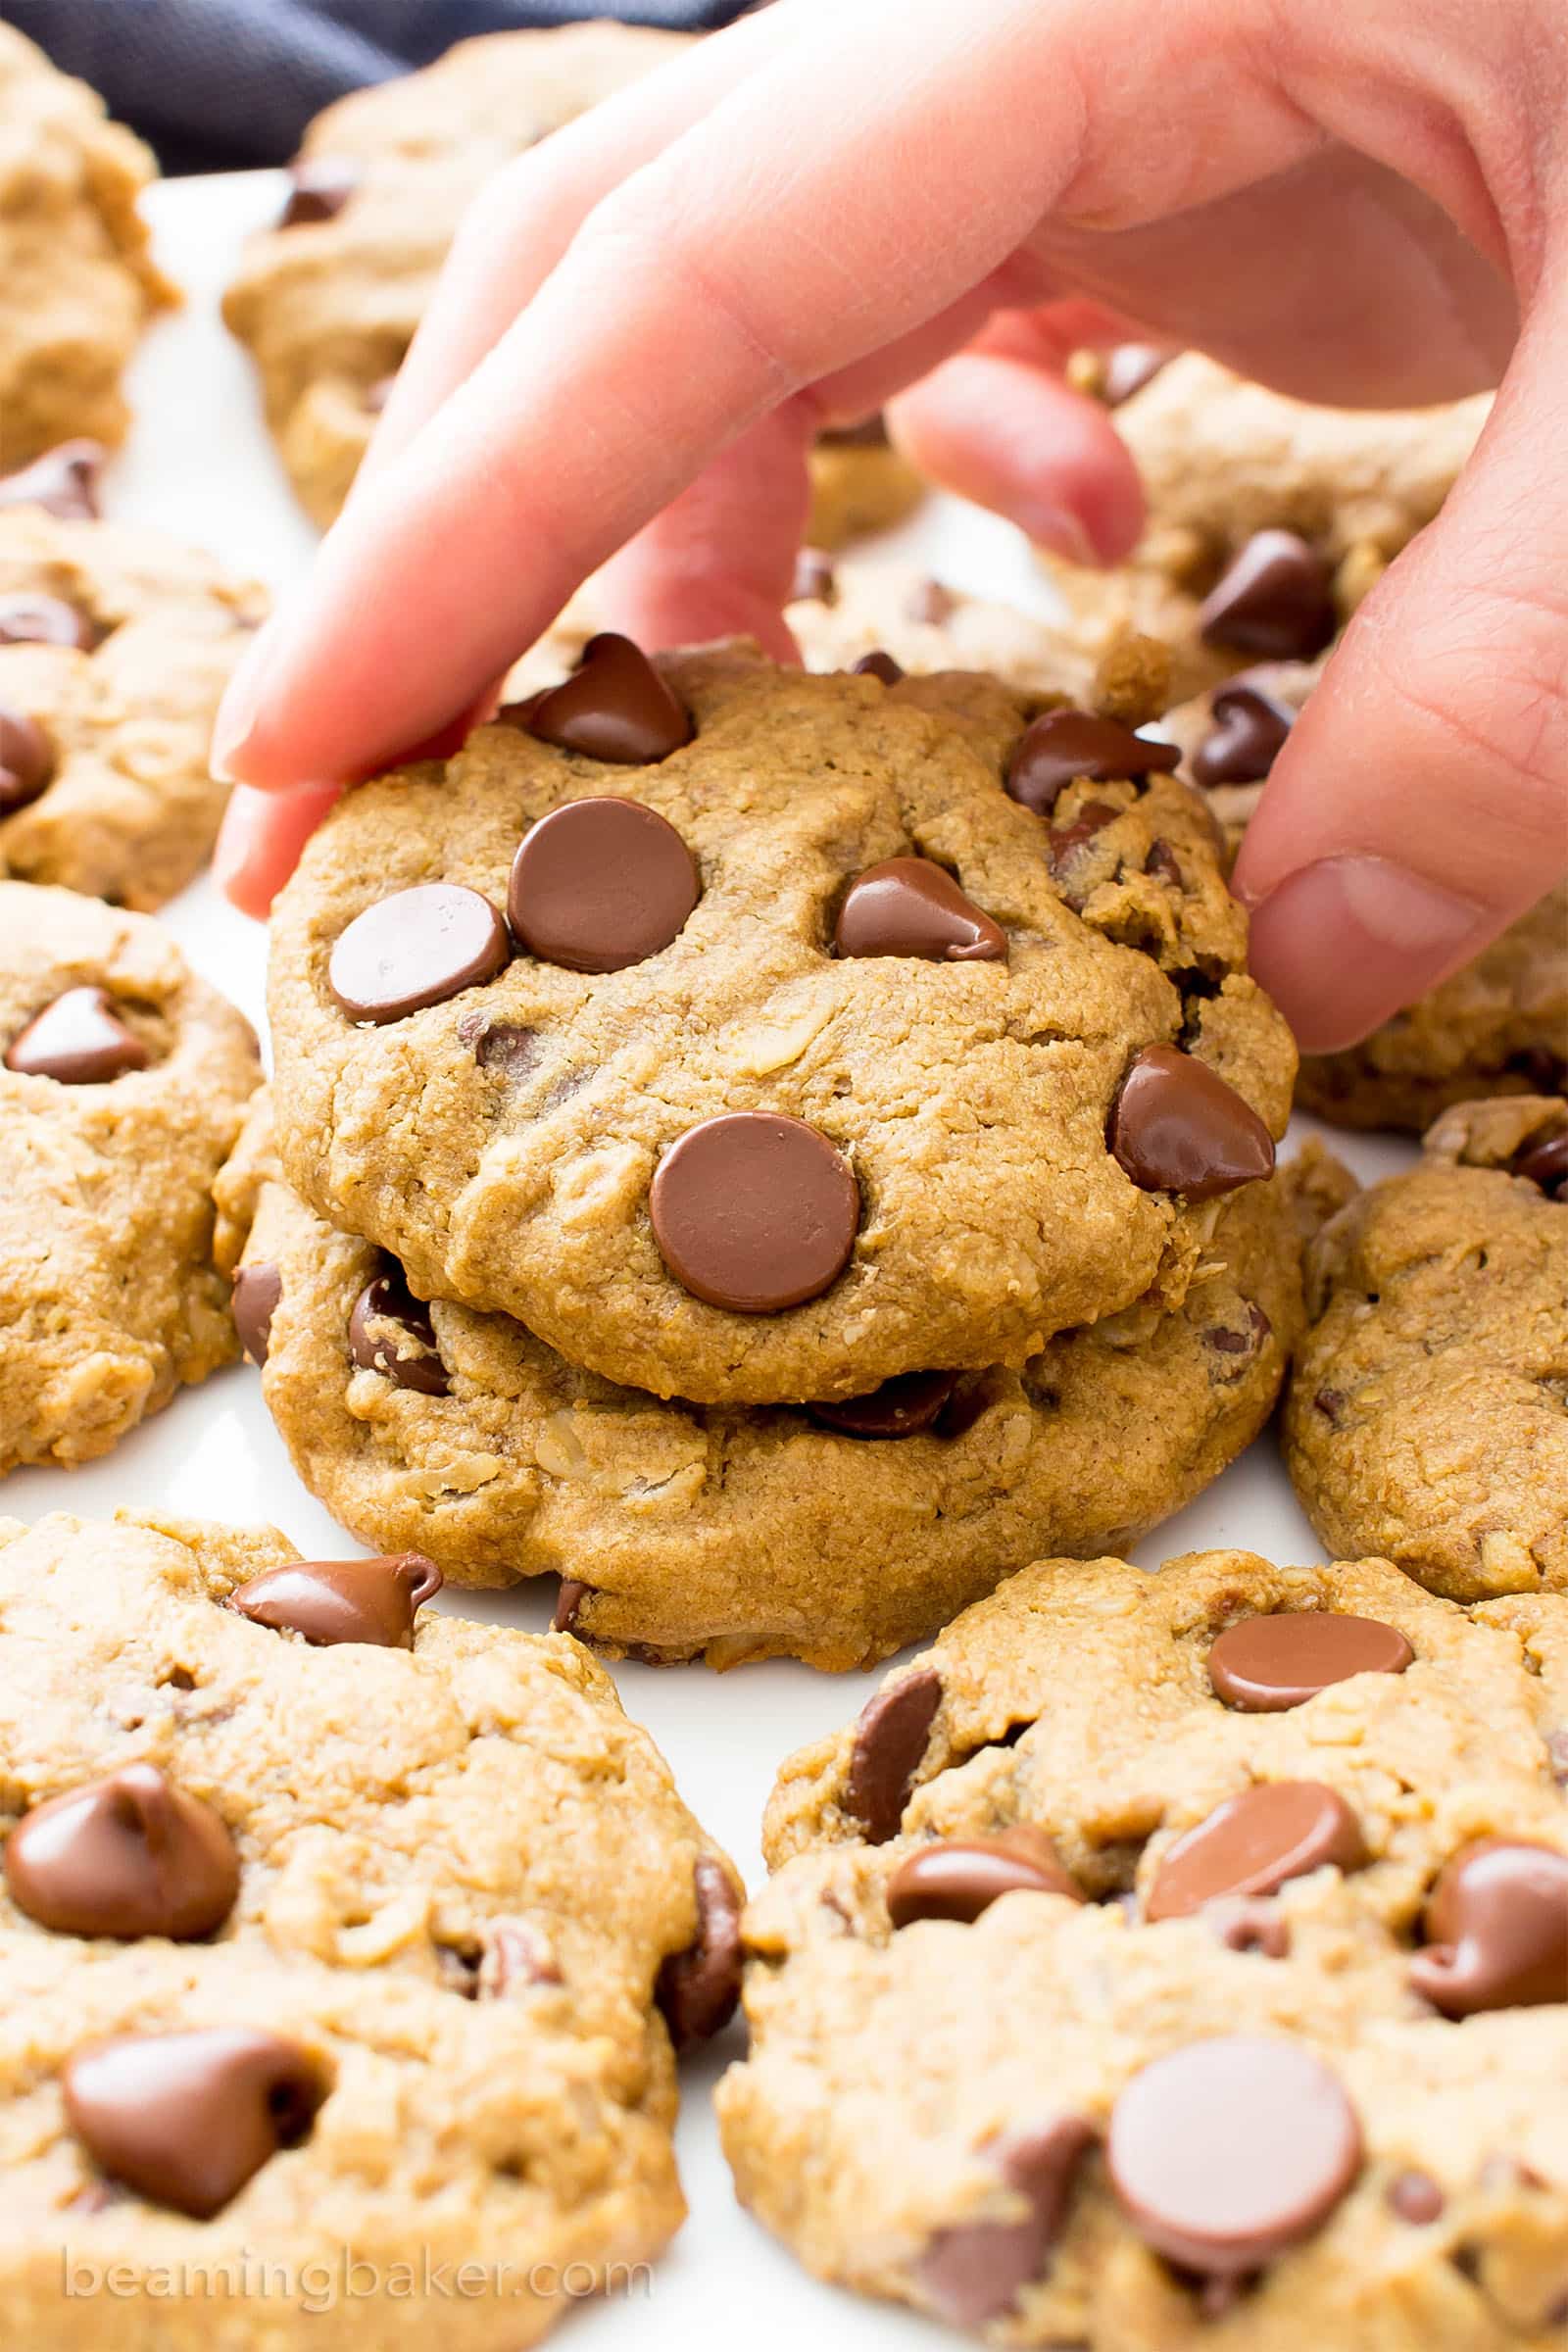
(735, 1114)
(77, 278)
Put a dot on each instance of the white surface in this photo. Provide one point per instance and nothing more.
(199, 464)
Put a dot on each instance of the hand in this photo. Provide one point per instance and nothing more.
(829, 208)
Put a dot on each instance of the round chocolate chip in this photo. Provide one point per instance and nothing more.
(600, 884)
(816, 580)
(46, 621)
(890, 1739)
(415, 948)
(1249, 731)
(1496, 1929)
(390, 1331)
(1229, 2152)
(254, 1302)
(878, 665)
(1266, 1664)
(1273, 601)
(1415, 2197)
(697, 1989)
(614, 706)
(1254, 1843)
(26, 760)
(329, 1601)
(1546, 1165)
(185, 2120)
(126, 1856)
(321, 187)
(63, 481)
(1129, 368)
(974, 2271)
(1061, 746)
(754, 1212)
(78, 1041)
(912, 907)
(902, 1407)
(1177, 1127)
(959, 1878)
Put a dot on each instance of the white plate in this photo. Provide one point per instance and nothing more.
(199, 464)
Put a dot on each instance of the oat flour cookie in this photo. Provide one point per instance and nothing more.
(734, 1534)
(329, 1927)
(1163, 1959)
(122, 1079)
(1426, 1416)
(682, 1138)
(115, 645)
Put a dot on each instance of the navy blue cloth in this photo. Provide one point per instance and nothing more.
(218, 84)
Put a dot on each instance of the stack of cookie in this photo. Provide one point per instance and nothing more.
(774, 1151)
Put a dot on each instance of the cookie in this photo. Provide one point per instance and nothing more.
(1269, 519)
(115, 645)
(664, 1124)
(78, 275)
(1499, 1026)
(680, 1531)
(122, 1079)
(1159, 1958)
(1425, 1412)
(329, 299)
(333, 1931)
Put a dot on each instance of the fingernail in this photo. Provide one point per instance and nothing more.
(241, 706)
(1060, 530)
(1343, 944)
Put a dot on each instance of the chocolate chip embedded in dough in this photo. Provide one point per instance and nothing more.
(754, 1212)
(1496, 1929)
(414, 948)
(257, 1295)
(913, 906)
(320, 188)
(1176, 1126)
(185, 2120)
(600, 884)
(960, 1877)
(890, 1741)
(1062, 746)
(615, 706)
(79, 1040)
(1264, 1665)
(332, 1601)
(1273, 601)
(130, 1855)
(390, 1331)
(1254, 1843)
(697, 1989)
(974, 2271)
(902, 1407)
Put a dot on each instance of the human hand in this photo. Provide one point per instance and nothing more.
(646, 321)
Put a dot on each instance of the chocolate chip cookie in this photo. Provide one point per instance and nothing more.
(1109, 1987)
(334, 1929)
(123, 1080)
(824, 1038)
(115, 645)
(834, 1535)
(78, 281)
(1426, 1418)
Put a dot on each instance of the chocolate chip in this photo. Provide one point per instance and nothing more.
(254, 1302)
(185, 2120)
(1249, 731)
(1331, 1402)
(321, 187)
(1415, 2197)
(1063, 842)
(870, 432)
(878, 665)
(63, 481)
(1273, 601)
(1248, 1923)
(974, 2273)
(912, 907)
(390, 1331)
(902, 1407)
(1162, 860)
(416, 948)
(600, 884)
(514, 1958)
(971, 1400)
(1254, 1843)
(1496, 1929)
(614, 706)
(929, 604)
(78, 1041)
(569, 1597)
(510, 1047)
(1238, 1351)
(1546, 1072)
(329, 1601)
(960, 1877)
(1230, 2151)
(754, 1212)
(1062, 746)
(26, 760)
(1546, 1165)
(816, 579)
(47, 620)
(1129, 368)
(126, 1856)
(1177, 1127)
(890, 1738)
(1264, 1665)
(697, 1989)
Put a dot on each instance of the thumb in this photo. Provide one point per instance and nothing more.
(1422, 802)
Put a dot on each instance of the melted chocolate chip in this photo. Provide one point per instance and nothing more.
(1264, 1665)
(912, 907)
(960, 1877)
(614, 706)
(1249, 731)
(510, 1047)
(1496, 1929)
(1162, 860)
(78, 1041)
(1238, 1351)
(1330, 1402)
(697, 1989)
(890, 1741)
(321, 187)
(1273, 601)
(754, 1212)
(390, 1331)
(600, 884)
(1061, 746)
(878, 665)
(331, 1602)
(26, 761)
(63, 481)
(1248, 1923)
(1254, 1843)
(185, 2120)
(126, 1856)
(257, 1290)
(569, 1597)
(816, 579)
(1546, 1165)
(1230, 2151)
(416, 948)
(1063, 842)
(902, 1407)
(1177, 1127)
(1129, 368)
(974, 2271)
(47, 620)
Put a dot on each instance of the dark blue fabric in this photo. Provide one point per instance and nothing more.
(215, 83)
